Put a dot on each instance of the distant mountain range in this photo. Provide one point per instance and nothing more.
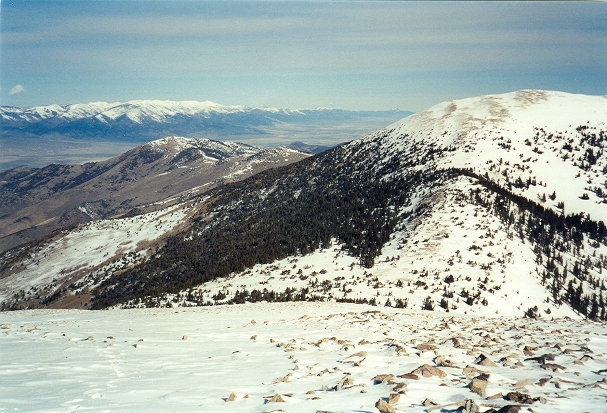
(67, 129)
(491, 205)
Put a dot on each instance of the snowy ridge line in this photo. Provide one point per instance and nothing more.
(279, 282)
(488, 124)
(136, 110)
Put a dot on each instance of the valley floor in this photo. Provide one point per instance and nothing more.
(314, 356)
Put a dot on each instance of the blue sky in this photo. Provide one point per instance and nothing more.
(289, 54)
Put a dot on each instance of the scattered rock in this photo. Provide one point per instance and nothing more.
(478, 386)
(523, 383)
(399, 387)
(542, 359)
(427, 370)
(543, 381)
(426, 347)
(277, 398)
(428, 403)
(393, 398)
(409, 376)
(483, 360)
(456, 342)
(231, 397)
(505, 409)
(254, 337)
(496, 396)
(283, 379)
(443, 362)
(185, 337)
(469, 406)
(471, 371)
(383, 378)
(384, 407)
(359, 354)
(554, 367)
(518, 397)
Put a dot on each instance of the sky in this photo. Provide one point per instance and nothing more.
(292, 54)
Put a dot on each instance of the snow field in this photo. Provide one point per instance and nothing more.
(316, 356)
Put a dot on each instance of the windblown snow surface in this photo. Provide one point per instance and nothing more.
(297, 357)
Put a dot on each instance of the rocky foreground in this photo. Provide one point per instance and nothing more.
(295, 357)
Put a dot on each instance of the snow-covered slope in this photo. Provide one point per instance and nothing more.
(74, 258)
(316, 357)
(535, 142)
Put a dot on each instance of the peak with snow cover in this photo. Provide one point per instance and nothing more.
(535, 143)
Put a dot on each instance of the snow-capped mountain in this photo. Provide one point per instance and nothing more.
(79, 133)
(137, 111)
(490, 206)
(36, 202)
(144, 120)
(535, 143)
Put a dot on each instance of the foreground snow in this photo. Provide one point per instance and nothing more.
(316, 356)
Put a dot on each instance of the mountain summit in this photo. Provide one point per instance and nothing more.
(490, 205)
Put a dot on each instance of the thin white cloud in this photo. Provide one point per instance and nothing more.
(16, 90)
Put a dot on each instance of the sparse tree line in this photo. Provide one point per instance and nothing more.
(553, 236)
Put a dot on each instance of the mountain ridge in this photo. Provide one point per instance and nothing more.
(37, 201)
(126, 117)
(415, 215)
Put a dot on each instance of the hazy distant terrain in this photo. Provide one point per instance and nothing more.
(78, 133)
